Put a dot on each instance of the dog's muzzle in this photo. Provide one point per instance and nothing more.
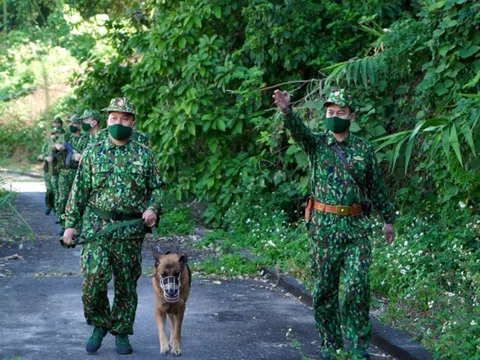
(171, 288)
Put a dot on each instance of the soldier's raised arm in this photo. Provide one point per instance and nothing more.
(300, 132)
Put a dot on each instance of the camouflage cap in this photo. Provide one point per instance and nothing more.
(75, 119)
(91, 114)
(57, 119)
(57, 130)
(340, 97)
(122, 105)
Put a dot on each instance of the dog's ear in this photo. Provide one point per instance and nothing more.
(182, 258)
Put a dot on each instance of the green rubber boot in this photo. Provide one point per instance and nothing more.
(95, 341)
(122, 345)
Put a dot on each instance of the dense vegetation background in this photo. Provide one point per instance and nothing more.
(202, 74)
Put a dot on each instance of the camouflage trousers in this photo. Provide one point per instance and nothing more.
(65, 182)
(56, 191)
(116, 255)
(334, 257)
(49, 194)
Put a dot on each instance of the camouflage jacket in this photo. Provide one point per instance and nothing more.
(332, 184)
(115, 178)
(75, 141)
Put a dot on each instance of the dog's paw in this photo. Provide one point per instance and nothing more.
(164, 353)
(177, 352)
(164, 350)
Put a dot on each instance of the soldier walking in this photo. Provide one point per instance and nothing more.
(49, 172)
(117, 181)
(68, 159)
(345, 177)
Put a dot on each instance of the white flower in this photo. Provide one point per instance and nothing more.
(403, 271)
(473, 323)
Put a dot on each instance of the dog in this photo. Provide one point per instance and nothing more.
(171, 280)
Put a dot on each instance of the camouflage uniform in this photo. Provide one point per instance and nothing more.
(67, 172)
(112, 178)
(341, 242)
(47, 175)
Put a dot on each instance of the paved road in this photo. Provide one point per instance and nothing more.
(41, 313)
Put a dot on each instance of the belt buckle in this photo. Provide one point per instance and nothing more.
(343, 210)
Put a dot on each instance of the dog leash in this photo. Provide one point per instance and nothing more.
(79, 240)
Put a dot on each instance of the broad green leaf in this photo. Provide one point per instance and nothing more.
(182, 43)
(454, 143)
(356, 65)
(238, 128)
(416, 130)
(292, 149)
(302, 159)
(396, 153)
(220, 124)
(191, 127)
(469, 51)
(467, 132)
(364, 73)
(354, 127)
(436, 5)
(217, 11)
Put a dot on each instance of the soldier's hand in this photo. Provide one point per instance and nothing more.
(282, 100)
(149, 218)
(59, 147)
(49, 159)
(77, 157)
(68, 235)
(389, 233)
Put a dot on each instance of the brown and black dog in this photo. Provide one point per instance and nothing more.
(171, 284)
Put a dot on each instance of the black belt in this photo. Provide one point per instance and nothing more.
(115, 215)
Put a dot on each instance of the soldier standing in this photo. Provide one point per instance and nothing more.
(345, 176)
(48, 170)
(117, 181)
(91, 127)
(68, 160)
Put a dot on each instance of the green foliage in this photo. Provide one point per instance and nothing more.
(431, 277)
(177, 221)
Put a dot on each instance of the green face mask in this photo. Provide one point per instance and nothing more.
(86, 126)
(120, 132)
(338, 125)
(73, 128)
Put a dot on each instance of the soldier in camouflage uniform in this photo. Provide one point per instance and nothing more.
(57, 122)
(68, 165)
(91, 127)
(339, 228)
(117, 180)
(49, 172)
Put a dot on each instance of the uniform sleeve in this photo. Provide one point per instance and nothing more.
(81, 188)
(45, 151)
(154, 187)
(300, 132)
(377, 191)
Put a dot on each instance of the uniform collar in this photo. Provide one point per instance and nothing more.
(331, 139)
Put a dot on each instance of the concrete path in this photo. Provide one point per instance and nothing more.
(41, 315)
